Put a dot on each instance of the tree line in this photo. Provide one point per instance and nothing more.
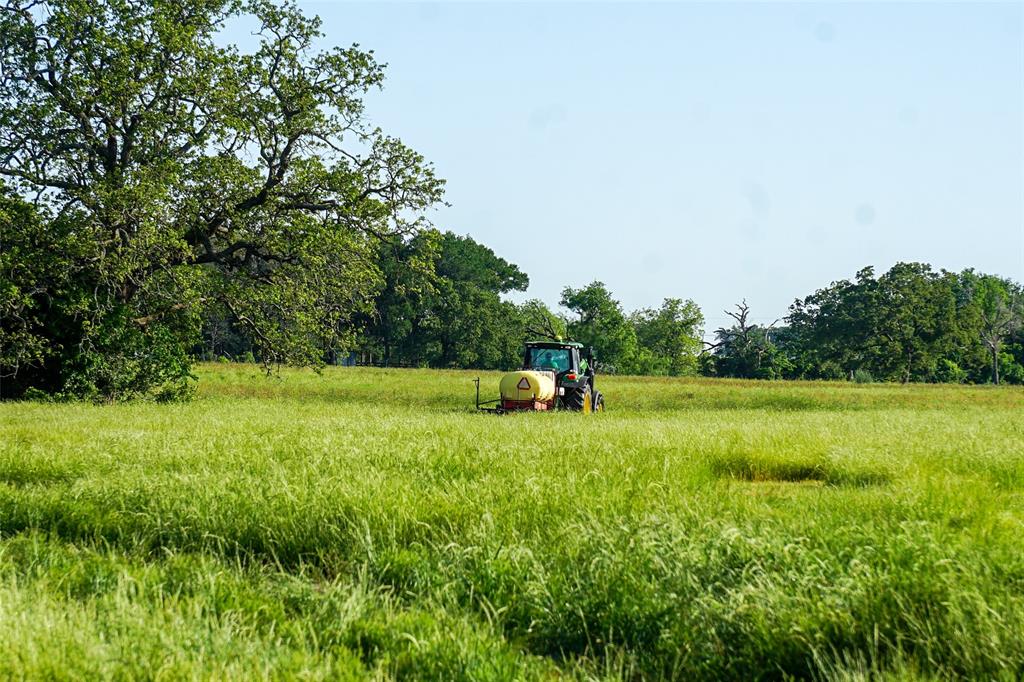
(442, 305)
(911, 323)
(165, 197)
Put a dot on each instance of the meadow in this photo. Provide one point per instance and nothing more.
(366, 523)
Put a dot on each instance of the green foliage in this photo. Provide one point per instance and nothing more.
(602, 325)
(540, 322)
(394, 326)
(910, 324)
(749, 351)
(949, 372)
(999, 315)
(699, 529)
(914, 320)
(862, 376)
(1010, 369)
(30, 255)
(473, 326)
(441, 304)
(670, 336)
(833, 328)
(172, 175)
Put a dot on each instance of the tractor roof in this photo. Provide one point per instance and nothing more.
(553, 344)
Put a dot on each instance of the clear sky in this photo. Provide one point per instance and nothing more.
(711, 151)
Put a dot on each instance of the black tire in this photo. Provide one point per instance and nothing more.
(598, 402)
(576, 399)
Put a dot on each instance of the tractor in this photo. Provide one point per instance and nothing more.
(555, 375)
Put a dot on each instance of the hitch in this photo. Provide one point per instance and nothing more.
(481, 406)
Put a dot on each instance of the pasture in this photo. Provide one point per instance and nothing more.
(366, 523)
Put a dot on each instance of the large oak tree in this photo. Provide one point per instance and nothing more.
(149, 170)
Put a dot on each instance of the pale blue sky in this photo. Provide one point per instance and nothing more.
(711, 151)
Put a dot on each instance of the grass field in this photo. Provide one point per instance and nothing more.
(366, 523)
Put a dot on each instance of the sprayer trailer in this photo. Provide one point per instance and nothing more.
(555, 375)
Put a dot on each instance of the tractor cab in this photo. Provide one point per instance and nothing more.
(562, 358)
(573, 369)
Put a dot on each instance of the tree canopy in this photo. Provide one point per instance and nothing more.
(442, 304)
(601, 324)
(747, 350)
(174, 174)
(909, 324)
(668, 338)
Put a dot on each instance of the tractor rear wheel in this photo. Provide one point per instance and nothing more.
(579, 399)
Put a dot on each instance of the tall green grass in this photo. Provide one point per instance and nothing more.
(366, 523)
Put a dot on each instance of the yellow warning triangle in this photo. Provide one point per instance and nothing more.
(524, 384)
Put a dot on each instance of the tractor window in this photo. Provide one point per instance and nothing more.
(553, 359)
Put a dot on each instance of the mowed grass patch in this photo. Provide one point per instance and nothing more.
(367, 523)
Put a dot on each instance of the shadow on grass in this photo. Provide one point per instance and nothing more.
(21, 476)
(772, 468)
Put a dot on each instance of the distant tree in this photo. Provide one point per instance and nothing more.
(747, 350)
(473, 326)
(462, 259)
(915, 321)
(398, 324)
(221, 337)
(965, 360)
(540, 323)
(901, 326)
(441, 304)
(173, 173)
(670, 336)
(601, 324)
(832, 330)
(1002, 315)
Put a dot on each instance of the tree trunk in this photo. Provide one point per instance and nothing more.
(995, 365)
(385, 342)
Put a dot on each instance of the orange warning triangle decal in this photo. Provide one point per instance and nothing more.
(524, 384)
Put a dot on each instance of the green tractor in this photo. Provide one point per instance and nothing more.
(555, 375)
